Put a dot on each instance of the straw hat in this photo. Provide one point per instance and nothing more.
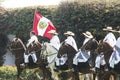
(108, 29)
(69, 33)
(53, 32)
(118, 31)
(88, 34)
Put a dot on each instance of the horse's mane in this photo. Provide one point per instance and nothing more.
(16, 42)
(22, 43)
(68, 45)
(107, 45)
(92, 42)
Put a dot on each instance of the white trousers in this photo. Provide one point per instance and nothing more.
(27, 56)
(61, 61)
(114, 59)
(99, 61)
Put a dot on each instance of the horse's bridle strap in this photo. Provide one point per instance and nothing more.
(51, 54)
(16, 48)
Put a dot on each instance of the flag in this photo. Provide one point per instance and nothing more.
(42, 25)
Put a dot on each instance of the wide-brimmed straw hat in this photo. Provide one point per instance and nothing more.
(88, 34)
(53, 32)
(69, 33)
(108, 29)
(117, 31)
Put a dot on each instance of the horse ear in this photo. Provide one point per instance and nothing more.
(100, 41)
(15, 39)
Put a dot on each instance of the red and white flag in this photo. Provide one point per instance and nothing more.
(42, 25)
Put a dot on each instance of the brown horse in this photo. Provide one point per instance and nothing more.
(106, 50)
(17, 48)
(86, 67)
(69, 50)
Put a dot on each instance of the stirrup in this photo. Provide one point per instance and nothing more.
(22, 65)
(56, 69)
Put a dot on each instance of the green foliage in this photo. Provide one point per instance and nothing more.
(92, 17)
(10, 73)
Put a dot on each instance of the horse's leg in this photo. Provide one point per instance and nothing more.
(87, 76)
(75, 76)
(19, 70)
(54, 74)
(47, 74)
(36, 73)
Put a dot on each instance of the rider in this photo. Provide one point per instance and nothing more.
(70, 39)
(88, 36)
(33, 37)
(54, 41)
(115, 57)
(110, 37)
(111, 40)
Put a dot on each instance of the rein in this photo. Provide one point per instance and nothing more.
(15, 49)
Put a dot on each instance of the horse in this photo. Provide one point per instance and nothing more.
(48, 55)
(18, 49)
(69, 50)
(105, 49)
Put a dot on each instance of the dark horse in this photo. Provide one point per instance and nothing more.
(69, 50)
(106, 50)
(17, 48)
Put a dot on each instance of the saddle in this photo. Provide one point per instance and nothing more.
(32, 58)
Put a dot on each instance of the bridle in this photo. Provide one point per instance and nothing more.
(15, 49)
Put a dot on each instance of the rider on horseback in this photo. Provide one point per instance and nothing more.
(70, 40)
(115, 57)
(80, 56)
(33, 37)
(54, 41)
(111, 40)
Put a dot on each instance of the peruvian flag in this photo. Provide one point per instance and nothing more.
(42, 25)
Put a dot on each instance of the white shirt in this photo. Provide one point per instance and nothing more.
(110, 39)
(55, 42)
(33, 38)
(70, 40)
(118, 42)
(86, 40)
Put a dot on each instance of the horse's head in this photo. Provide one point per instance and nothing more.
(66, 49)
(48, 50)
(104, 48)
(91, 45)
(17, 46)
(34, 46)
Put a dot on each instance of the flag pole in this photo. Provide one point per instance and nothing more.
(35, 10)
